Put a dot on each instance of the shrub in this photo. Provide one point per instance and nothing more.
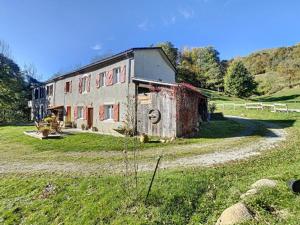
(212, 107)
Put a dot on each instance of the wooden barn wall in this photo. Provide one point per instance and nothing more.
(165, 102)
(188, 117)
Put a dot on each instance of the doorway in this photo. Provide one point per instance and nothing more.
(68, 119)
(90, 118)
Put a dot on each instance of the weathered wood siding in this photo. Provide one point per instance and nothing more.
(164, 101)
(191, 111)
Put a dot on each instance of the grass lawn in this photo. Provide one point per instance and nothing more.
(182, 196)
(179, 196)
(95, 142)
(289, 96)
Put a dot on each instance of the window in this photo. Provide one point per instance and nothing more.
(36, 93)
(108, 112)
(116, 77)
(42, 92)
(84, 81)
(42, 112)
(79, 112)
(50, 90)
(68, 87)
(102, 79)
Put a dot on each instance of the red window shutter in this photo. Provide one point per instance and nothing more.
(89, 83)
(116, 112)
(75, 112)
(109, 78)
(123, 74)
(98, 81)
(101, 112)
(80, 85)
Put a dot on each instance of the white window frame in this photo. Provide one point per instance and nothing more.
(84, 85)
(116, 75)
(48, 90)
(109, 112)
(80, 109)
(103, 78)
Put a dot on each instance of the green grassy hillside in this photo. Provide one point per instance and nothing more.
(289, 96)
(275, 68)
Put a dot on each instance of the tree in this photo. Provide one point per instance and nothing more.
(238, 81)
(4, 48)
(209, 61)
(13, 89)
(170, 51)
(204, 65)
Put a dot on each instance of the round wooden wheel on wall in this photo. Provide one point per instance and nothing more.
(154, 116)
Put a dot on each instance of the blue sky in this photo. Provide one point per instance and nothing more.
(57, 35)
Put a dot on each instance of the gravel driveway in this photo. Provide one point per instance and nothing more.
(274, 136)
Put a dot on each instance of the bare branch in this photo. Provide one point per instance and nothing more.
(4, 49)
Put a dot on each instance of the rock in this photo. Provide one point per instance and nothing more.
(172, 139)
(144, 138)
(48, 190)
(283, 214)
(264, 183)
(235, 214)
(249, 193)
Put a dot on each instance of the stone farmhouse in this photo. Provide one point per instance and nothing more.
(135, 87)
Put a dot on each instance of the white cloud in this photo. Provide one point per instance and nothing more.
(144, 25)
(169, 21)
(97, 47)
(186, 13)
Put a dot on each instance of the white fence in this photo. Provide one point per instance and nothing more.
(275, 107)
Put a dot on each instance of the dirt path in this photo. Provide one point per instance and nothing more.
(274, 136)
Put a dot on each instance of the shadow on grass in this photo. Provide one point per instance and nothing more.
(278, 99)
(229, 127)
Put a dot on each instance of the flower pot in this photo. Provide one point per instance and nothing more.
(45, 133)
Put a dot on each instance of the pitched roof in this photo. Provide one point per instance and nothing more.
(125, 54)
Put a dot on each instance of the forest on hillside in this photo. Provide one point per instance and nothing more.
(273, 69)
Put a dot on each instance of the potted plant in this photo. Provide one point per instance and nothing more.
(48, 119)
(45, 131)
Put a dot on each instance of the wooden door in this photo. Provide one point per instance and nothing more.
(68, 113)
(90, 118)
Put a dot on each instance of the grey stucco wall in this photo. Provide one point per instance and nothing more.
(115, 94)
(150, 65)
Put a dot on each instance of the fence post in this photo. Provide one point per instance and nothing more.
(150, 186)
